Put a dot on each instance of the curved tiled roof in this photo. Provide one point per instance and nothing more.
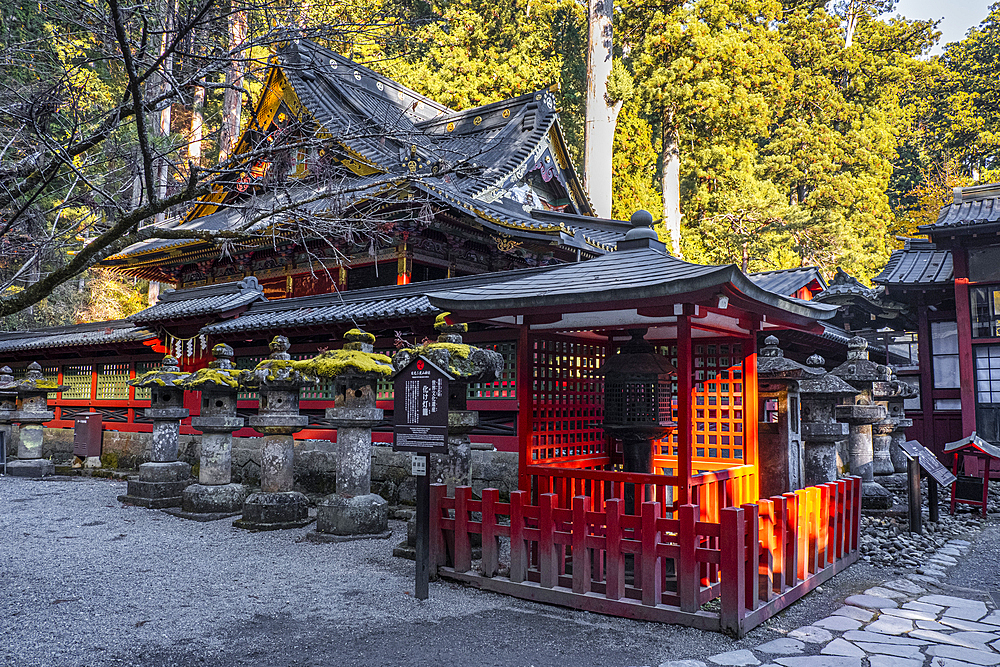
(76, 335)
(787, 281)
(974, 206)
(199, 301)
(918, 263)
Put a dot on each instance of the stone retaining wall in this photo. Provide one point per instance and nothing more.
(315, 462)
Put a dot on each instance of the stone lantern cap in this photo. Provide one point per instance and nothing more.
(278, 371)
(772, 364)
(356, 359)
(34, 382)
(825, 384)
(220, 373)
(465, 363)
(8, 386)
(859, 369)
(168, 375)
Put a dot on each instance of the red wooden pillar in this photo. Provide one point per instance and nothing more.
(963, 316)
(750, 407)
(524, 387)
(926, 377)
(685, 378)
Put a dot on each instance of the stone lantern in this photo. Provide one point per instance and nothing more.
(779, 433)
(8, 405)
(353, 511)
(279, 382)
(215, 495)
(33, 392)
(162, 480)
(465, 364)
(862, 374)
(637, 396)
(820, 429)
(897, 412)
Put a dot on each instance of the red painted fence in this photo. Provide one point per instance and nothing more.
(755, 560)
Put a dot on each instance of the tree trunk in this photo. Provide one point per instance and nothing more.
(671, 182)
(232, 101)
(163, 124)
(601, 117)
(197, 121)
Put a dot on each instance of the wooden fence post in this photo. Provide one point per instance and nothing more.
(652, 572)
(491, 546)
(791, 539)
(751, 526)
(843, 519)
(518, 548)
(581, 554)
(823, 524)
(688, 576)
(615, 586)
(765, 564)
(812, 512)
(463, 548)
(833, 523)
(438, 555)
(780, 505)
(733, 602)
(548, 566)
(856, 515)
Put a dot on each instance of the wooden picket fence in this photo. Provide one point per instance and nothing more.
(755, 560)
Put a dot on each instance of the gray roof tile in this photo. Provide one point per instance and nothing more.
(787, 281)
(76, 335)
(918, 263)
(200, 301)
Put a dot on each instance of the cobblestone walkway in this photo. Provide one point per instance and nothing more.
(903, 623)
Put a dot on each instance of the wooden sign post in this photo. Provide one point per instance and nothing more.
(919, 457)
(420, 425)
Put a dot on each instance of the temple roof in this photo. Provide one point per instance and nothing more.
(788, 281)
(358, 307)
(918, 263)
(218, 299)
(972, 209)
(74, 335)
(399, 144)
(638, 272)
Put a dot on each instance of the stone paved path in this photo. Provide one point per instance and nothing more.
(906, 622)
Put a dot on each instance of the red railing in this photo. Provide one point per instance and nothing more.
(608, 561)
(714, 490)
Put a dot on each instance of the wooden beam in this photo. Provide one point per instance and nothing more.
(685, 383)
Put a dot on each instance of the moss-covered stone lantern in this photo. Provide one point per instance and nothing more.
(279, 381)
(215, 494)
(465, 364)
(353, 511)
(33, 392)
(162, 480)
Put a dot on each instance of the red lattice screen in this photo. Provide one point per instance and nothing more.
(716, 405)
(567, 400)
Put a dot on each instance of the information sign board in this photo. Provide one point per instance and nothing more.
(930, 463)
(420, 408)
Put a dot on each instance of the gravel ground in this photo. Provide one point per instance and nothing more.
(88, 581)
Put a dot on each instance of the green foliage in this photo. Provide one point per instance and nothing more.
(634, 165)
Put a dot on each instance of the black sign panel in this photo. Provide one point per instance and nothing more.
(420, 408)
(915, 451)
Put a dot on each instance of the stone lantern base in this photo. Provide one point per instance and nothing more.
(274, 511)
(341, 518)
(204, 502)
(31, 468)
(158, 485)
(874, 496)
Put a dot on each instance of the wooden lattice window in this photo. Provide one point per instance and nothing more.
(112, 382)
(142, 367)
(384, 391)
(324, 391)
(717, 403)
(507, 386)
(567, 400)
(78, 381)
